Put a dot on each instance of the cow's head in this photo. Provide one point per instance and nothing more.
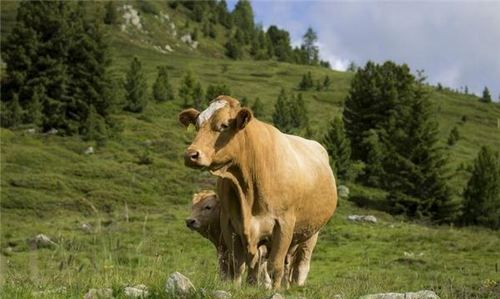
(214, 145)
(205, 211)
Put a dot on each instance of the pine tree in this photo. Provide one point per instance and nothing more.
(352, 67)
(187, 88)
(309, 44)
(339, 148)
(258, 108)
(486, 98)
(388, 110)
(95, 127)
(481, 204)
(307, 82)
(162, 90)
(242, 16)
(223, 15)
(454, 136)
(326, 82)
(298, 118)
(34, 108)
(111, 15)
(234, 49)
(281, 114)
(198, 96)
(11, 113)
(135, 87)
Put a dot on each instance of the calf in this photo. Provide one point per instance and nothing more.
(205, 219)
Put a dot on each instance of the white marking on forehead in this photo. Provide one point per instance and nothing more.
(207, 113)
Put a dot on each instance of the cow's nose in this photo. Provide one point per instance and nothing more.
(190, 222)
(192, 155)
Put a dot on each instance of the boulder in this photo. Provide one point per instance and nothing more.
(41, 241)
(343, 191)
(179, 285)
(138, 291)
(99, 294)
(362, 218)
(424, 294)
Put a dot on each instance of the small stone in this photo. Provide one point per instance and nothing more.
(138, 291)
(86, 227)
(424, 294)
(179, 285)
(343, 191)
(99, 294)
(41, 241)
(276, 296)
(362, 218)
(52, 131)
(89, 150)
(219, 294)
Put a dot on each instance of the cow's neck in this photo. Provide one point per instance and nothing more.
(244, 171)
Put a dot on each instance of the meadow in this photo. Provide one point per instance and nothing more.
(134, 193)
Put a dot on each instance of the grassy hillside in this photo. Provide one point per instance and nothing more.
(135, 192)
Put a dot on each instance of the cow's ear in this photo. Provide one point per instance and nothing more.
(188, 116)
(243, 118)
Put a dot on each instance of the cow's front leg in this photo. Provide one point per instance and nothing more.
(281, 240)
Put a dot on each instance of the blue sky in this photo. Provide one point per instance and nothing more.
(456, 43)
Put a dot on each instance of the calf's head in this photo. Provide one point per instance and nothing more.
(205, 211)
(214, 145)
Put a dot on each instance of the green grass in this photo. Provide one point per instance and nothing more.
(135, 191)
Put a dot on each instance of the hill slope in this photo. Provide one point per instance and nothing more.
(135, 191)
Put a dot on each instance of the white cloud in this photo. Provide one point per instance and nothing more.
(456, 43)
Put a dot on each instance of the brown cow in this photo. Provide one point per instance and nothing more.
(205, 219)
(273, 186)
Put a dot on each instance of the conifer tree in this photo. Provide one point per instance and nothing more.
(309, 45)
(234, 49)
(482, 194)
(135, 87)
(258, 108)
(298, 118)
(339, 148)
(187, 88)
(454, 136)
(162, 90)
(242, 16)
(34, 108)
(327, 82)
(111, 15)
(198, 96)
(11, 112)
(307, 82)
(281, 114)
(486, 98)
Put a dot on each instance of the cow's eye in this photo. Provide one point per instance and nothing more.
(208, 208)
(224, 127)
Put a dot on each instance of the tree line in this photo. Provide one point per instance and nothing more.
(247, 39)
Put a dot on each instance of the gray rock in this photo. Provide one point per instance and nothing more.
(138, 291)
(89, 150)
(99, 294)
(41, 241)
(86, 227)
(219, 294)
(179, 285)
(52, 131)
(31, 131)
(424, 294)
(343, 191)
(362, 218)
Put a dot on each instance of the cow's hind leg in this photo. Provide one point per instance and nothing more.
(281, 240)
(302, 260)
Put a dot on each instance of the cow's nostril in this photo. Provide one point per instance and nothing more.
(194, 155)
(190, 222)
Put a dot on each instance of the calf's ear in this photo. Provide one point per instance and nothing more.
(243, 118)
(188, 116)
